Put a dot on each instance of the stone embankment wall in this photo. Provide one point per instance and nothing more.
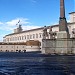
(58, 46)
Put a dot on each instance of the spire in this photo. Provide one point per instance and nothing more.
(62, 9)
(62, 21)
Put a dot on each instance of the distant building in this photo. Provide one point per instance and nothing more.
(36, 34)
(20, 36)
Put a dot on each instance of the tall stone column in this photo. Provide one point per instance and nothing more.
(62, 9)
(62, 20)
(62, 42)
(63, 29)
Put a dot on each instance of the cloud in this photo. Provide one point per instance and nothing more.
(9, 26)
(30, 27)
(26, 25)
(15, 21)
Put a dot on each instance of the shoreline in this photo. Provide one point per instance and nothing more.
(30, 54)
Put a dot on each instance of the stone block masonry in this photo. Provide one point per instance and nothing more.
(58, 46)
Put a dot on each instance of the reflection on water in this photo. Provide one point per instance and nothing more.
(42, 65)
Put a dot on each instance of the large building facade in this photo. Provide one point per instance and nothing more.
(37, 34)
(21, 37)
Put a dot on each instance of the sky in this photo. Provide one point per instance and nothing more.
(31, 13)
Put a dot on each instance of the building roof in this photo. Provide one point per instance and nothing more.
(24, 31)
(34, 29)
(71, 12)
(29, 30)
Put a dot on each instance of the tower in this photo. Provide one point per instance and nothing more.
(19, 28)
(63, 37)
(62, 19)
(63, 29)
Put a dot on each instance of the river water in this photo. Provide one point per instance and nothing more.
(36, 64)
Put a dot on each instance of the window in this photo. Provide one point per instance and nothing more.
(7, 39)
(18, 38)
(22, 37)
(23, 46)
(1, 46)
(36, 35)
(27, 36)
(30, 36)
(17, 46)
(40, 35)
(12, 46)
(33, 36)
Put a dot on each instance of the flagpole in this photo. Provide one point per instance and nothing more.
(18, 23)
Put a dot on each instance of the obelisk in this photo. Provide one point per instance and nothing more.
(62, 45)
(63, 29)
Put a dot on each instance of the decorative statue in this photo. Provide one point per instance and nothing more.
(45, 34)
(73, 32)
(50, 29)
(51, 33)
